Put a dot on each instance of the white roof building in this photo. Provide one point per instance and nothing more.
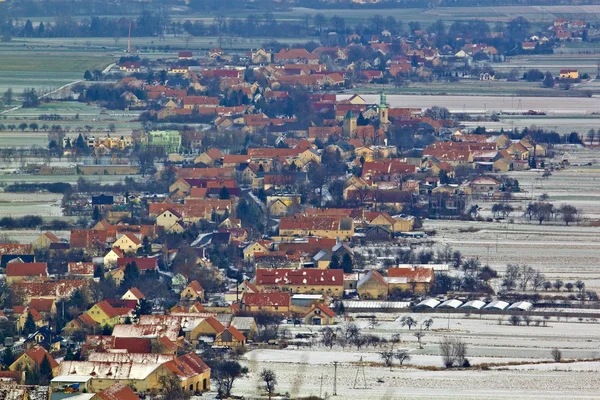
(521, 305)
(452, 303)
(429, 303)
(497, 305)
(474, 304)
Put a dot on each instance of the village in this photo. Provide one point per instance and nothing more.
(266, 219)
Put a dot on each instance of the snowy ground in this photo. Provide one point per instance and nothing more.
(300, 371)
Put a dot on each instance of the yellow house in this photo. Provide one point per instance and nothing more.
(231, 337)
(278, 208)
(193, 292)
(256, 247)
(110, 259)
(105, 314)
(319, 314)
(38, 318)
(117, 275)
(33, 359)
(45, 240)
(272, 302)
(168, 218)
(372, 286)
(414, 280)
(323, 226)
(364, 152)
(568, 74)
(397, 224)
(142, 377)
(128, 243)
(328, 282)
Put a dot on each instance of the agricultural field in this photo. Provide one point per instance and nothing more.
(488, 340)
(481, 104)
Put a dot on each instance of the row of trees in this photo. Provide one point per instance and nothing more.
(544, 211)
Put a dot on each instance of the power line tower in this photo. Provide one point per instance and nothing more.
(335, 363)
(361, 367)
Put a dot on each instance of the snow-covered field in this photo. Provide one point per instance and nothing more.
(310, 371)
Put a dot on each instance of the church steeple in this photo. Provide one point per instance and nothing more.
(383, 109)
(382, 100)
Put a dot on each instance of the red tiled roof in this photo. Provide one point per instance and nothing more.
(27, 269)
(83, 238)
(37, 354)
(333, 277)
(236, 333)
(137, 293)
(41, 305)
(268, 299)
(187, 366)
(81, 268)
(412, 274)
(324, 309)
(196, 286)
(310, 223)
(143, 263)
(119, 391)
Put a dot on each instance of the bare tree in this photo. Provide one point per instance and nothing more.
(569, 213)
(328, 337)
(419, 335)
(556, 354)
(527, 319)
(514, 320)
(270, 379)
(538, 281)
(527, 274)
(388, 358)
(427, 324)
(402, 356)
(453, 351)
(408, 321)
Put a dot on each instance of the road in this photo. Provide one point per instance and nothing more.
(48, 94)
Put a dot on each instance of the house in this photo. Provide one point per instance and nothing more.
(44, 306)
(185, 55)
(192, 292)
(568, 74)
(143, 374)
(415, 280)
(143, 264)
(168, 218)
(23, 313)
(303, 281)
(118, 391)
(105, 314)
(319, 314)
(81, 269)
(45, 338)
(246, 325)
(16, 272)
(32, 359)
(402, 224)
(260, 246)
(484, 186)
(209, 157)
(45, 240)
(372, 286)
(128, 243)
(88, 239)
(133, 294)
(323, 226)
(110, 259)
(273, 302)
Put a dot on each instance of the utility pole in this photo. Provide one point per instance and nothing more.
(321, 388)
(335, 363)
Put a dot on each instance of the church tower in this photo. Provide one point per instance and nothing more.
(383, 110)
(349, 126)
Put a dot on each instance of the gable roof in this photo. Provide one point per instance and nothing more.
(195, 286)
(421, 275)
(266, 299)
(118, 391)
(137, 293)
(142, 263)
(41, 305)
(324, 309)
(282, 277)
(372, 274)
(187, 366)
(37, 354)
(27, 269)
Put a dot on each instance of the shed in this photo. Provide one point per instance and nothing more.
(428, 303)
(496, 305)
(521, 306)
(474, 305)
(452, 303)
